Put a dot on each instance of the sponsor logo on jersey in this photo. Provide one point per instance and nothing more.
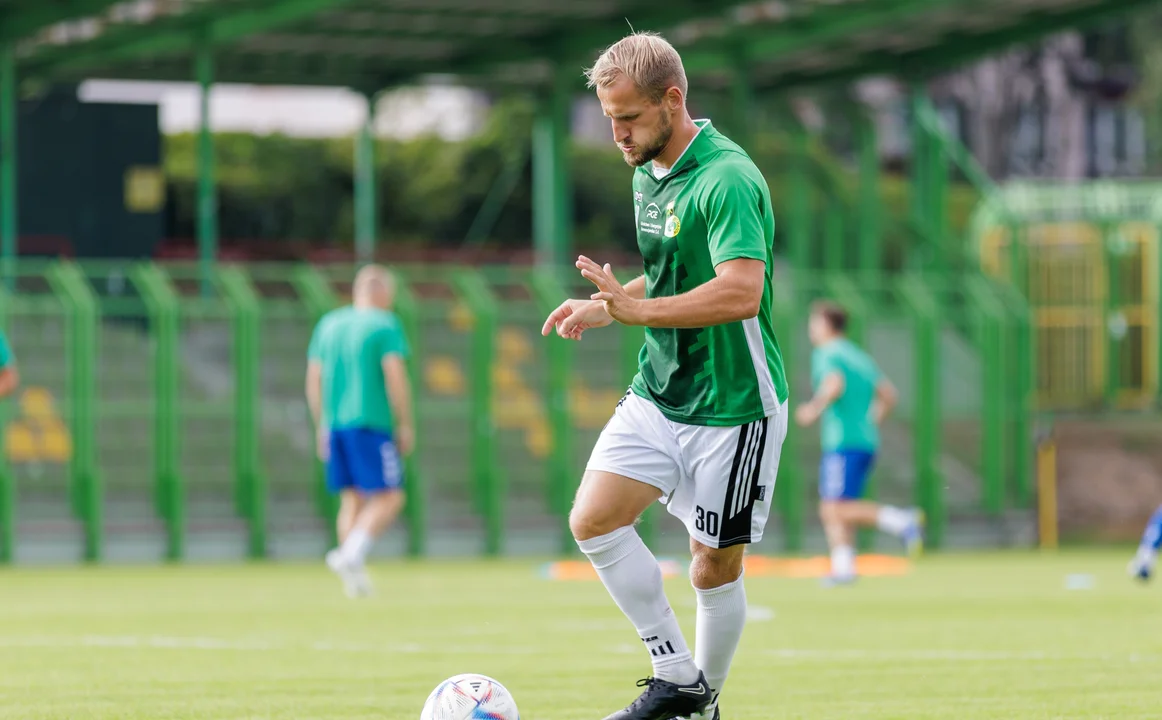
(673, 224)
(650, 221)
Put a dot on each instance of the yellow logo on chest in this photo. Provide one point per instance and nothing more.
(673, 224)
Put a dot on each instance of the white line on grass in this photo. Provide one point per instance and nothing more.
(950, 655)
(202, 643)
(166, 642)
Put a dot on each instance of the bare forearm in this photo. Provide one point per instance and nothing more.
(830, 390)
(399, 390)
(824, 399)
(314, 393)
(881, 408)
(712, 303)
(884, 402)
(401, 405)
(315, 406)
(9, 381)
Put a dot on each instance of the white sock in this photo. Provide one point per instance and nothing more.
(893, 520)
(721, 617)
(843, 561)
(632, 576)
(1146, 556)
(356, 546)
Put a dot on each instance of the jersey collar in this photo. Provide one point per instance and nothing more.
(688, 160)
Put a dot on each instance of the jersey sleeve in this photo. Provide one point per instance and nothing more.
(313, 350)
(732, 207)
(392, 341)
(6, 357)
(824, 363)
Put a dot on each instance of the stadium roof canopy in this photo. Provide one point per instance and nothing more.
(376, 44)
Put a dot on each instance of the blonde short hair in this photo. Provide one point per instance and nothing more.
(373, 281)
(647, 59)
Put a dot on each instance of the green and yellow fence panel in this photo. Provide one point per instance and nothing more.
(216, 499)
(488, 481)
(42, 482)
(442, 474)
(989, 319)
(415, 511)
(250, 494)
(1086, 259)
(270, 367)
(549, 291)
(86, 491)
(192, 388)
(161, 305)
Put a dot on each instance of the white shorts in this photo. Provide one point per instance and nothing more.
(719, 481)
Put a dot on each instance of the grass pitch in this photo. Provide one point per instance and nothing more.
(962, 636)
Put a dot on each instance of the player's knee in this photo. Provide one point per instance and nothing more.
(586, 525)
(711, 568)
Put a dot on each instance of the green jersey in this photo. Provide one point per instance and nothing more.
(5, 351)
(846, 424)
(713, 206)
(350, 345)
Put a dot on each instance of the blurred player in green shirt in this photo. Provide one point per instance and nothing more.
(360, 399)
(852, 398)
(9, 377)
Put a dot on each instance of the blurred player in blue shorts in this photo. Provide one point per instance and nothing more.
(1142, 566)
(9, 377)
(852, 398)
(360, 399)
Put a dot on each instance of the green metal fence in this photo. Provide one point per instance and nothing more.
(158, 406)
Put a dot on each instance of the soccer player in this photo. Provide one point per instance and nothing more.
(1142, 566)
(9, 376)
(702, 425)
(852, 397)
(360, 399)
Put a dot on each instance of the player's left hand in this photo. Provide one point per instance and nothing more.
(323, 444)
(618, 303)
(806, 414)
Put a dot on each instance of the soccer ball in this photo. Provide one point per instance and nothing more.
(470, 697)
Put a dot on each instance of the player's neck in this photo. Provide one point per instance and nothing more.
(684, 132)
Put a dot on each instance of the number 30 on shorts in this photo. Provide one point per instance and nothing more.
(706, 521)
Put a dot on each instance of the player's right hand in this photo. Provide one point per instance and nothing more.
(322, 444)
(573, 317)
(405, 440)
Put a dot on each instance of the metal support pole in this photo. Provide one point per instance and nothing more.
(742, 100)
(552, 187)
(834, 238)
(918, 192)
(8, 150)
(207, 190)
(800, 203)
(871, 250)
(366, 217)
